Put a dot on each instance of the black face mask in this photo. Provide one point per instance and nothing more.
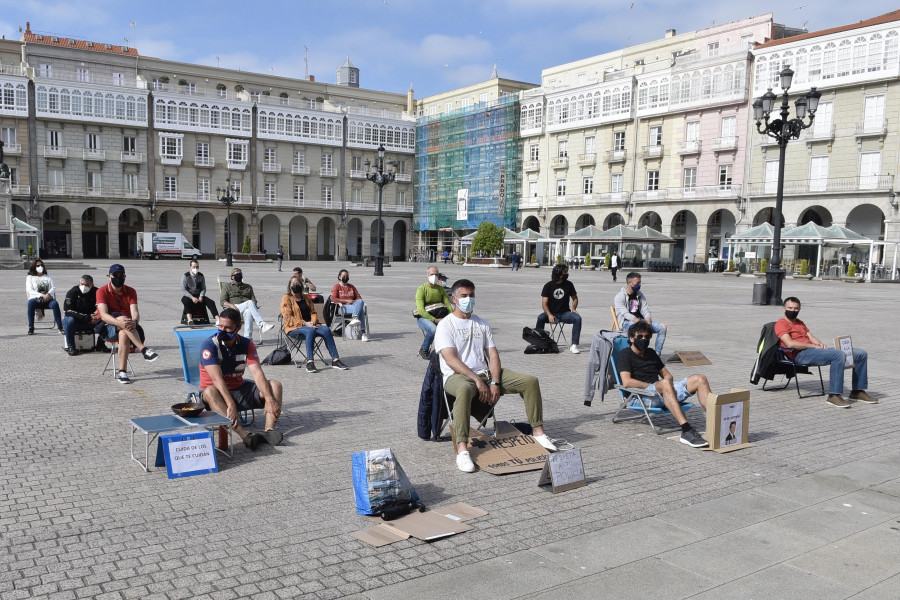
(117, 280)
(345, 279)
(296, 288)
(791, 314)
(226, 336)
(641, 344)
(237, 277)
(565, 277)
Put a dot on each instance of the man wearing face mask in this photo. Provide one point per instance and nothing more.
(348, 297)
(471, 368)
(193, 292)
(239, 296)
(117, 306)
(432, 305)
(555, 303)
(807, 350)
(641, 367)
(631, 306)
(223, 359)
(80, 307)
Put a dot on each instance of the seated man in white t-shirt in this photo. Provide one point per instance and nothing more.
(471, 368)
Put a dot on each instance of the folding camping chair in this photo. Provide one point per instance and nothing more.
(297, 345)
(557, 332)
(337, 320)
(190, 339)
(447, 415)
(615, 320)
(637, 400)
(112, 361)
(789, 369)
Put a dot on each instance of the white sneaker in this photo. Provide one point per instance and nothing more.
(545, 441)
(365, 337)
(464, 462)
(266, 327)
(353, 322)
(574, 349)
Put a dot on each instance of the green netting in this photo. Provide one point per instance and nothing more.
(469, 148)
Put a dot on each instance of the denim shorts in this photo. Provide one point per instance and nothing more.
(656, 401)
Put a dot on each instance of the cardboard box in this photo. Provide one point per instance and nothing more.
(728, 420)
(426, 526)
(509, 451)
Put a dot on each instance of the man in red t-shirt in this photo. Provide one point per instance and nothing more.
(807, 350)
(117, 306)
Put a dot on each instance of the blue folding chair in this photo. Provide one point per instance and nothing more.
(637, 400)
(190, 339)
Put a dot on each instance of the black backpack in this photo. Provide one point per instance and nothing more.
(539, 341)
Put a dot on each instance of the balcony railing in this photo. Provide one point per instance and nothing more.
(403, 177)
(817, 134)
(20, 190)
(132, 157)
(721, 144)
(92, 154)
(318, 203)
(271, 167)
(327, 172)
(649, 195)
(357, 174)
(54, 151)
(94, 192)
(654, 151)
(559, 162)
(299, 170)
(534, 202)
(236, 165)
(189, 197)
(532, 165)
(615, 156)
(12, 148)
(12, 70)
(704, 192)
(170, 159)
(882, 183)
(588, 159)
(688, 147)
(204, 161)
(871, 128)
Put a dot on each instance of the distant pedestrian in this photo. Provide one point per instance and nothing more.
(614, 264)
(280, 255)
(446, 257)
(516, 259)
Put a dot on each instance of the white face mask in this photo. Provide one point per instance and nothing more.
(39, 269)
(194, 271)
(84, 289)
(432, 279)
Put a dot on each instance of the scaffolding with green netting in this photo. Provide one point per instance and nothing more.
(477, 149)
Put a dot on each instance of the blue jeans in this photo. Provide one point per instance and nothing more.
(309, 334)
(429, 327)
(355, 309)
(835, 358)
(658, 329)
(567, 317)
(37, 303)
(71, 327)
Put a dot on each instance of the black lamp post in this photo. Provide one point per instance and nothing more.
(226, 196)
(782, 131)
(381, 179)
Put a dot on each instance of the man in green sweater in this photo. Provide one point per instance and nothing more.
(431, 300)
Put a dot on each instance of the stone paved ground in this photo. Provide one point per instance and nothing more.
(79, 519)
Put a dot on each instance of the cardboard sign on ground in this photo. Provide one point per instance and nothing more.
(426, 526)
(690, 358)
(460, 512)
(728, 420)
(564, 470)
(509, 451)
(380, 535)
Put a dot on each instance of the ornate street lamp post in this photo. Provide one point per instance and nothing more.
(782, 131)
(226, 196)
(380, 179)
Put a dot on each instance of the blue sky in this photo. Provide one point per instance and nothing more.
(437, 45)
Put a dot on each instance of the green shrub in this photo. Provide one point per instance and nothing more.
(763, 265)
(851, 270)
(587, 259)
(607, 259)
(731, 266)
(533, 259)
(559, 259)
(246, 248)
(804, 267)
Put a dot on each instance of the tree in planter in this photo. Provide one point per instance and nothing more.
(763, 265)
(804, 267)
(182, 82)
(587, 260)
(851, 270)
(283, 95)
(607, 260)
(488, 239)
(220, 87)
(533, 258)
(731, 266)
(559, 259)
(163, 79)
(266, 93)
(246, 248)
(238, 88)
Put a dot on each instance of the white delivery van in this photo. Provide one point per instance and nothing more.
(174, 245)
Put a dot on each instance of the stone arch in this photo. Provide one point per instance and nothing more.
(354, 238)
(612, 220)
(559, 227)
(399, 242)
(203, 232)
(766, 215)
(684, 232)
(325, 239)
(57, 239)
(94, 233)
(238, 231)
(131, 223)
(298, 239)
(867, 220)
(171, 221)
(269, 233)
(373, 239)
(532, 223)
(816, 214)
(650, 219)
(720, 226)
(584, 220)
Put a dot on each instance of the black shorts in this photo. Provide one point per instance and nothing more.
(245, 397)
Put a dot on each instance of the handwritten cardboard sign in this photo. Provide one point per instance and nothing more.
(563, 470)
(845, 345)
(189, 454)
(509, 451)
(690, 358)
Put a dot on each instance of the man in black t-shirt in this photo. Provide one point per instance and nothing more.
(555, 302)
(640, 367)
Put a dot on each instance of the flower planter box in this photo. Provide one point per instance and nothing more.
(731, 273)
(799, 276)
(854, 279)
(759, 274)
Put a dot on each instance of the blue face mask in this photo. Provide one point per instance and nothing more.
(636, 288)
(466, 305)
(226, 336)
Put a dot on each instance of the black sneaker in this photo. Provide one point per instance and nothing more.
(149, 354)
(337, 364)
(61, 330)
(423, 354)
(311, 367)
(254, 440)
(72, 351)
(122, 377)
(31, 331)
(693, 439)
(272, 437)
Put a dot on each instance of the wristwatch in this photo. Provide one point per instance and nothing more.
(495, 383)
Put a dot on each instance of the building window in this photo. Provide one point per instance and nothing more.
(712, 50)
(171, 147)
(83, 75)
(869, 170)
(534, 152)
(729, 128)
(119, 79)
(448, 106)
(532, 189)
(432, 110)
(589, 145)
(271, 192)
(237, 151)
(771, 176)
(692, 131)
(401, 197)
(93, 180)
(824, 118)
(357, 195)
(298, 194)
(656, 135)
(874, 112)
(327, 161)
(221, 92)
(616, 180)
(9, 135)
(203, 188)
(588, 185)
(563, 149)
(299, 158)
(465, 102)
(560, 187)
(190, 88)
(818, 173)
(689, 180)
(652, 180)
(92, 141)
(53, 139)
(357, 163)
(203, 151)
(269, 156)
(131, 181)
(170, 187)
(56, 177)
(129, 144)
(327, 195)
(725, 177)
(14, 176)
(483, 97)
(619, 140)
(45, 70)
